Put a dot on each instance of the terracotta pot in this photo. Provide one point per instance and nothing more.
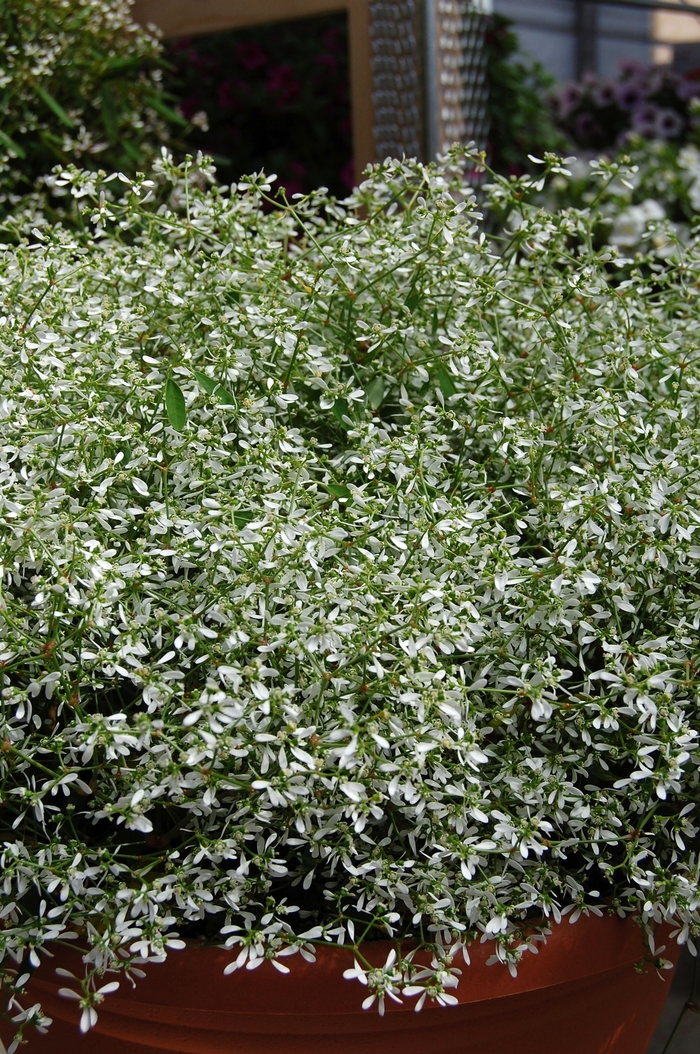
(580, 995)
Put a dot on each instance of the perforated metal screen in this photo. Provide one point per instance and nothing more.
(429, 75)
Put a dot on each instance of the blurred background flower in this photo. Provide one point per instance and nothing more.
(599, 113)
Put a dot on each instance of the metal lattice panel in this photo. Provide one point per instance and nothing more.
(416, 66)
(429, 75)
(397, 78)
(461, 70)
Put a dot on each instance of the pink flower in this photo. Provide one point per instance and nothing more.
(347, 175)
(332, 40)
(251, 56)
(281, 82)
(329, 61)
(225, 95)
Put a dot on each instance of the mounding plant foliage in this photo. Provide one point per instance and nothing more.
(349, 577)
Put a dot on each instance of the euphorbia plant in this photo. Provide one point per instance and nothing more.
(349, 576)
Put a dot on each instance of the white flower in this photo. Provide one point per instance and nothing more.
(630, 225)
(200, 120)
(689, 159)
(694, 194)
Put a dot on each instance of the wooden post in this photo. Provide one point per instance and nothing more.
(361, 102)
(184, 18)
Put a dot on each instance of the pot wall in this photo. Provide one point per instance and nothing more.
(580, 995)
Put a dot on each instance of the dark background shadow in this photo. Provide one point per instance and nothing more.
(687, 1038)
(274, 97)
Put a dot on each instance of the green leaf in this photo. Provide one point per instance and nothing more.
(242, 517)
(413, 299)
(212, 387)
(166, 111)
(47, 98)
(338, 490)
(447, 386)
(205, 382)
(117, 66)
(175, 405)
(11, 145)
(226, 397)
(341, 410)
(51, 140)
(132, 151)
(109, 114)
(374, 393)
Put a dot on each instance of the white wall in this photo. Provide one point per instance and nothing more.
(547, 31)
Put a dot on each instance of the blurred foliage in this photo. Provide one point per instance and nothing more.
(273, 97)
(520, 116)
(80, 82)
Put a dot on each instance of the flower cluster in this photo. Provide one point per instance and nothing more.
(349, 577)
(599, 113)
(652, 207)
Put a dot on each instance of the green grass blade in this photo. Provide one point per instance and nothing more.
(53, 105)
(11, 145)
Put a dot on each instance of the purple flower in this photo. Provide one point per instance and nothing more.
(630, 94)
(332, 40)
(669, 124)
(189, 106)
(569, 98)
(644, 120)
(604, 94)
(586, 128)
(660, 80)
(225, 95)
(200, 61)
(631, 68)
(330, 62)
(688, 89)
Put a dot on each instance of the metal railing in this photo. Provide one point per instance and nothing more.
(682, 7)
